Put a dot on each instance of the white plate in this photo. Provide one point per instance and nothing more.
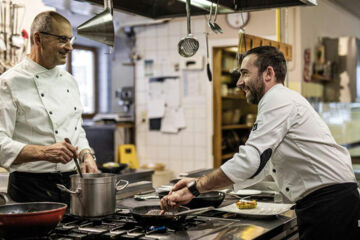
(263, 209)
(246, 192)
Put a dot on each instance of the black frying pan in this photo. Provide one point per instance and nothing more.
(113, 169)
(139, 213)
(203, 200)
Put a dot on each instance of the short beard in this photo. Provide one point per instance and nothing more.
(256, 91)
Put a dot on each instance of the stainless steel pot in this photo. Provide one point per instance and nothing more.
(93, 195)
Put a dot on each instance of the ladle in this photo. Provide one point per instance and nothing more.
(236, 71)
(188, 46)
(211, 26)
(216, 26)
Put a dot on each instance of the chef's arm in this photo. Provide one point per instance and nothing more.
(214, 180)
(61, 152)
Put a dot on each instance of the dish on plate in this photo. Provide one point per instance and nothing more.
(246, 192)
(263, 209)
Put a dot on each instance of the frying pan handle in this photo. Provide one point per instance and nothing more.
(6, 198)
(63, 188)
(119, 188)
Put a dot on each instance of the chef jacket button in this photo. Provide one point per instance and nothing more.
(67, 90)
(274, 170)
(56, 131)
(287, 189)
(50, 112)
(75, 108)
(37, 76)
(75, 128)
(60, 75)
(42, 95)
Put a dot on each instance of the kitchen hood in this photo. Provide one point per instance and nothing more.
(158, 9)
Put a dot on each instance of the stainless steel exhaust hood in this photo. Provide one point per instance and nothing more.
(158, 9)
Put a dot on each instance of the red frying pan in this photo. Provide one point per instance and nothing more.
(33, 219)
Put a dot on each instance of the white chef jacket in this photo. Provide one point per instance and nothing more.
(38, 107)
(291, 142)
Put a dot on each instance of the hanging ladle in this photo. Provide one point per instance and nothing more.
(216, 26)
(188, 46)
(235, 73)
(211, 26)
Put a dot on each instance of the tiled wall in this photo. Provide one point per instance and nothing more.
(189, 149)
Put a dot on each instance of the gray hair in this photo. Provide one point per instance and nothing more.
(43, 23)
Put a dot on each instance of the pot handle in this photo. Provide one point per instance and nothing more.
(119, 188)
(63, 188)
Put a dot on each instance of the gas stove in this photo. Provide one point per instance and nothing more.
(122, 225)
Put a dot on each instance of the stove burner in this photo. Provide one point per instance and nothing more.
(120, 225)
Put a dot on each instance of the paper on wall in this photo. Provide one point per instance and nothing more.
(156, 108)
(168, 122)
(180, 118)
(172, 92)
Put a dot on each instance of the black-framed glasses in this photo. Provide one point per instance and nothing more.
(61, 39)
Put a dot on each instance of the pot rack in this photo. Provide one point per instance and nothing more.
(13, 39)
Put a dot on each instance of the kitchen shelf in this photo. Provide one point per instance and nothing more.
(235, 96)
(236, 126)
(226, 71)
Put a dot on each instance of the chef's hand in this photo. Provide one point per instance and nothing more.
(181, 184)
(61, 152)
(89, 165)
(180, 197)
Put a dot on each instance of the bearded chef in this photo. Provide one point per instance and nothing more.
(40, 107)
(290, 142)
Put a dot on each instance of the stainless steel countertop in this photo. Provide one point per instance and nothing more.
(275, 227)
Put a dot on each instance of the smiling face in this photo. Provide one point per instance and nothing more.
(54, 51)
(251, 81)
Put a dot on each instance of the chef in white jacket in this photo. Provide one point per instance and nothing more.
(291, 142)
(40, 107)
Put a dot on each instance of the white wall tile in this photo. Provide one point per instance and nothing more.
(200, 126)
(174, 28)
(200, 139)
(188, 149)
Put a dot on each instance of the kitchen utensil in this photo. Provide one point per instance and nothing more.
(28, 220)
(208, 70)
(93, 195)
(189, 45)
(112, 167)
(216, 26)
(235, 73)
(213, 199)
(211, 26)
(146, 197)
(178, 215)
(75, 159)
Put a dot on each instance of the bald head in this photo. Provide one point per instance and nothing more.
(43, 22)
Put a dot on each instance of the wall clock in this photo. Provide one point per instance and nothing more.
(237, 20)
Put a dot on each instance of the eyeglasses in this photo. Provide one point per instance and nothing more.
(61, 39)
